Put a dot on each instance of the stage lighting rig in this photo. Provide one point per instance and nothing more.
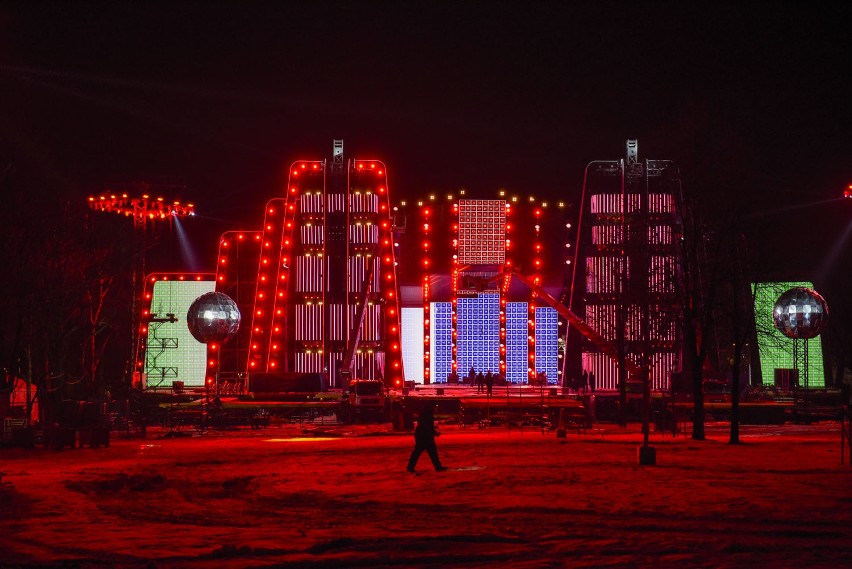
(142, 209)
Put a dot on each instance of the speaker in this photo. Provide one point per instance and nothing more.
(786, 378)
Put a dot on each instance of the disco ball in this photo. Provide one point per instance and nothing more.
(800, 313)
(213, 317)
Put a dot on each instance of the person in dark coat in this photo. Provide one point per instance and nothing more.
(489, 382)
(424, 439)
(480, 382)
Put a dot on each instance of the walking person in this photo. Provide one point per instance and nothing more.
(424, 439)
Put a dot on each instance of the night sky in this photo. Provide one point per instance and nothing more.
(752, 99)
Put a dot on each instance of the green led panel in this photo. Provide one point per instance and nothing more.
(172, 354)
(776, 349)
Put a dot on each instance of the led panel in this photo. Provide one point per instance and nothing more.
(517, 342)
(171, 353)
(546, 345)
(412, 343)
(441, 346)
(482, 232)
(776, 349)
(478, 333)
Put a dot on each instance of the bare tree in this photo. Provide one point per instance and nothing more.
(54, 334)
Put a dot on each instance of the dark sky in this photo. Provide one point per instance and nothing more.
(753, 99)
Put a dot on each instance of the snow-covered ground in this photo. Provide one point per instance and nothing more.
(328, 496)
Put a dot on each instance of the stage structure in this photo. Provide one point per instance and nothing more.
(301, 280)
(465, 311)
(626, 269)
(785, 362)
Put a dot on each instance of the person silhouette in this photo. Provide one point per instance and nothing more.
(480, 381)
(424, 439)
(489, 382)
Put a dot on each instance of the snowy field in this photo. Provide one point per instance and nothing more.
(327, 496)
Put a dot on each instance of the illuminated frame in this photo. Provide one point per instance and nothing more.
(168, 352)
(776, 349)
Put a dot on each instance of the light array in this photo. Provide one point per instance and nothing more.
(140, 208)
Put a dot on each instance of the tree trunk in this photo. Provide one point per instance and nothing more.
(735, 394)
(698, 399)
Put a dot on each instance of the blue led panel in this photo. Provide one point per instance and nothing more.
(441, 335)
(478, 333)
(517, 342)
(546, 345)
